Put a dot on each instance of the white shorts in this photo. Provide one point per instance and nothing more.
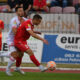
(11, 46)
(10, 43)
(12, 49)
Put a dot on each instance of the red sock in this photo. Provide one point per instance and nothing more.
(34, 60)
(18, 61)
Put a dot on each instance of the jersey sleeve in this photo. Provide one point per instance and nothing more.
(2, 24)
(28, 26)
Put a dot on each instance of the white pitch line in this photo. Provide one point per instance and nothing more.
(38, 68)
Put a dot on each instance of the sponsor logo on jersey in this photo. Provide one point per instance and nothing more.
(29, 25)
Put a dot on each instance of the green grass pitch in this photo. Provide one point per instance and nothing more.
(40, 76)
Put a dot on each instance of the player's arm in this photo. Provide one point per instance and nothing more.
(37, 37)
(0, 30)
(1, 26)
(37, 32)
(13, 24)
(14, 30)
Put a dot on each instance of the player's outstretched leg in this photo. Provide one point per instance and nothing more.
(35, 61)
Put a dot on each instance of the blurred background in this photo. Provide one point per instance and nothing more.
(56, 7)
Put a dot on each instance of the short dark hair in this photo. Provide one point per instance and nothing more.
(37, 16)
(16, 9)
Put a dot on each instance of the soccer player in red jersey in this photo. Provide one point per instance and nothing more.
(23, 33)
(1, 28)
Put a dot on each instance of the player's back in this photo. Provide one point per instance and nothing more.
(22, 33)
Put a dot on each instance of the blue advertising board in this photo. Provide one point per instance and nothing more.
(62, 48)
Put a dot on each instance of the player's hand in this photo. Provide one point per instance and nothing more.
(45, 41)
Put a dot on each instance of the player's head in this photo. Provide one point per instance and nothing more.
(19, 11)
(37, 19)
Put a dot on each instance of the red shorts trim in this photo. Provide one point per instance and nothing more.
(21, 45)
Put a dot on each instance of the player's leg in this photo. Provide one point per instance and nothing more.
(15, 55)
(34, 60)
(23, 47)
(10, 63)
(12, 58)
(18, 62)
(19, 58)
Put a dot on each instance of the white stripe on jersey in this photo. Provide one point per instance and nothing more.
(13, 23)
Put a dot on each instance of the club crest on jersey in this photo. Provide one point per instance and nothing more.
(29, 25)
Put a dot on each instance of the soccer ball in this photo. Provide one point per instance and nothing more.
(51, 65)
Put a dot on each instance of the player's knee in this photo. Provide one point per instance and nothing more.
(14, 55)
(29, 52)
